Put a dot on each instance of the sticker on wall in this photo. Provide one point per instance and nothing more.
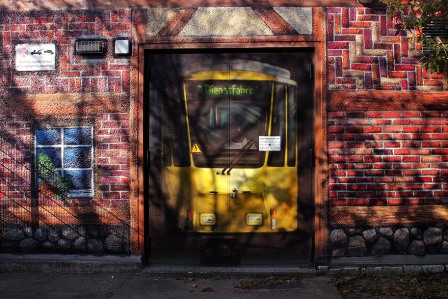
(35, 57)
(269, 143)
(195, 148)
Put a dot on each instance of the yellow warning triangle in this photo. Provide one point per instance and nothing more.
(195, 148)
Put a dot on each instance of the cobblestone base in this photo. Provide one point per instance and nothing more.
(397, 269)
(417, 241)
(67, 239)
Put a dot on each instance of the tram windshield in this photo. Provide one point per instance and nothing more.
(225, 120)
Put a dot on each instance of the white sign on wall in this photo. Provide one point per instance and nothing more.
(35, 57)
(269, 143)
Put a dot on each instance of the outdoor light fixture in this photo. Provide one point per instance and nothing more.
(122, 46)
(90, 46)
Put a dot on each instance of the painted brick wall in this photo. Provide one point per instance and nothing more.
(365, 51)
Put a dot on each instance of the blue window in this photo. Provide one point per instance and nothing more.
(69, 154)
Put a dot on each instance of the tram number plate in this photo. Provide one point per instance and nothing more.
(269, 143)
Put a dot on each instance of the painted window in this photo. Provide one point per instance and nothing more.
(277, 158)
(69, 151)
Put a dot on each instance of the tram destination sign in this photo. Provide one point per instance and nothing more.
(233, 90)
(220, 89)
(35, 57)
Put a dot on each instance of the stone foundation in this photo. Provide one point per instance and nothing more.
(97, 239)
(381, 241)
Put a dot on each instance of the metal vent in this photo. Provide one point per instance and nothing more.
(90, 46)
(435, 28)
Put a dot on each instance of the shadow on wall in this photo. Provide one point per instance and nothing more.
(35, 216)
(388, 160)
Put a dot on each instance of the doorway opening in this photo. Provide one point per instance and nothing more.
(229, 137)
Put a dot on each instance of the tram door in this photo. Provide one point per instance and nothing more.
(228, 109)
(224, 150)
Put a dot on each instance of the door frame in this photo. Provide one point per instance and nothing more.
(138, 155)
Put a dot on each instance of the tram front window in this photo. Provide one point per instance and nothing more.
(225, 127)
(241, 135)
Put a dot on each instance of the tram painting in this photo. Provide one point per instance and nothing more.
(229, 149)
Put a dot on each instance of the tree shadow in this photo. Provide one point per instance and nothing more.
(166, 124)
(34, 219)
(387, 180)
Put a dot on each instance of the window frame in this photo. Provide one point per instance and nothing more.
(72, 193)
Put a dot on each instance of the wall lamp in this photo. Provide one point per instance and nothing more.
(122, 46)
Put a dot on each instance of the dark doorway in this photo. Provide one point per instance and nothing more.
(229, 137)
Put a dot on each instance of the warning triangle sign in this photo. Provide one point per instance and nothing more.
(195, 148)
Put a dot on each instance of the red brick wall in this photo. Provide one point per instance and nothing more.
(16, 144)
(392, 156)
(365, 51)
(113, 160)
(74, 74)
(111, 139)
(81, 79)
(388, 157)
(96, 225)
(379, 156)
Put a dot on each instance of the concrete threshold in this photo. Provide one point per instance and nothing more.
(206, 271)
(65, 263)
(70, 263)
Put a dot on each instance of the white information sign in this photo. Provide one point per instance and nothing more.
(35, 57)
(269, 143)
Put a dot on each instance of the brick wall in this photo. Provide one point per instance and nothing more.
(44, 223)
(388, 157)
(381, 157)
(393, 156)
(365, 51)
(16, 144)
(387, 140)
(74, 74)
(81, 91)
(111, 135)
(113, 160)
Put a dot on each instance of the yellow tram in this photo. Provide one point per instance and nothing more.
(241, 134)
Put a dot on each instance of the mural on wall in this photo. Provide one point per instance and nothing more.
(224, 135)
(385, 130)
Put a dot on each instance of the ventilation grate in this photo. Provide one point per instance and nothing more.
(434, 29)
(90, 46)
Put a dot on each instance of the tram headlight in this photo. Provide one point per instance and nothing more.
(207, 218)
(254, 219)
